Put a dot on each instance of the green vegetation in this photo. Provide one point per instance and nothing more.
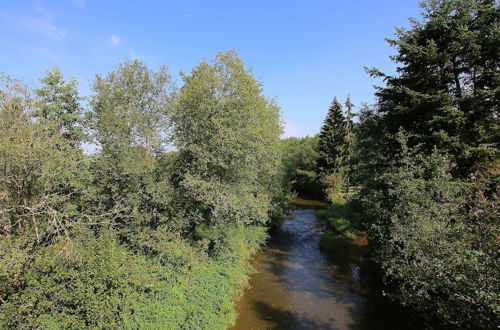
(299, 159)
(153, 230)
(427, 160)
(331, 140)
(331, 243)
(316, 167)
(342, 217)
(334, 162)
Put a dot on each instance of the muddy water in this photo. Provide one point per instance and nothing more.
(297, 286)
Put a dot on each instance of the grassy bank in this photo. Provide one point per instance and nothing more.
(343, 219)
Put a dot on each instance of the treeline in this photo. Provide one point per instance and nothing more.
(155, 228)
(322, 166)
(426, 160)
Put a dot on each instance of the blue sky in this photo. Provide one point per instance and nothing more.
(305, 52)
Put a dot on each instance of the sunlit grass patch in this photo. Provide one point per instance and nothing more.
(342, 217)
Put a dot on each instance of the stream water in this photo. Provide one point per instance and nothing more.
(297, 286)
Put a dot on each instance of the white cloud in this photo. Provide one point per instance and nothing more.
(115, 41)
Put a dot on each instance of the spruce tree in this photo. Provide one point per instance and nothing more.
(446, 91)
(331, 140)
(348, 147)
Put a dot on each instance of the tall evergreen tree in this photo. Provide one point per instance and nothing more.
(446, 92)
(331, 140)
(348, 149)
(431, 195)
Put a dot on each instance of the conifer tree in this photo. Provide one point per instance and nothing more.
(348, 144)
(331, 140)
(445, 93)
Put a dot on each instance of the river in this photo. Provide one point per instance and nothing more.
(297, 286)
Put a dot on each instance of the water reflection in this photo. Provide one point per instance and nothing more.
(297, 286)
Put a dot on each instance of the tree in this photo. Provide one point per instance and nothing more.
(348, 148)
(228, 136)
(130, 118)
(299, 161)
(130, 107)
(445, 93)
(41, 177)
(434, 238)
(59, 109)
(331, 140)
(430, 195)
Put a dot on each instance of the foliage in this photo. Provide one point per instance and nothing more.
(347, 166)
(331, 140)
(446, 91)
(59, 110)
(130, 107)
(97, 283)
(330, 243)
(342, 217)
(429, 245)
(427, 158)
(112, 240)
(299, 156)
(130, 118)
(335, 162)
(334, 185)
(228, 168)
(42, 173)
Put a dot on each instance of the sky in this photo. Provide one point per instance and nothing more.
(304, 52)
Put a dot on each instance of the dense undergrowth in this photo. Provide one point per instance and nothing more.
(97, 282)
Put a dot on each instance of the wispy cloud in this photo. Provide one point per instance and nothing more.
(79, 3)
(38, 31)
(43, 24)
(115, 41)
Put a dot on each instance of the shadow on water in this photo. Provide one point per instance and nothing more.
(285, 320)
(297, 286)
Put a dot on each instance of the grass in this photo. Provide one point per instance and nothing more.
(342, 217)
